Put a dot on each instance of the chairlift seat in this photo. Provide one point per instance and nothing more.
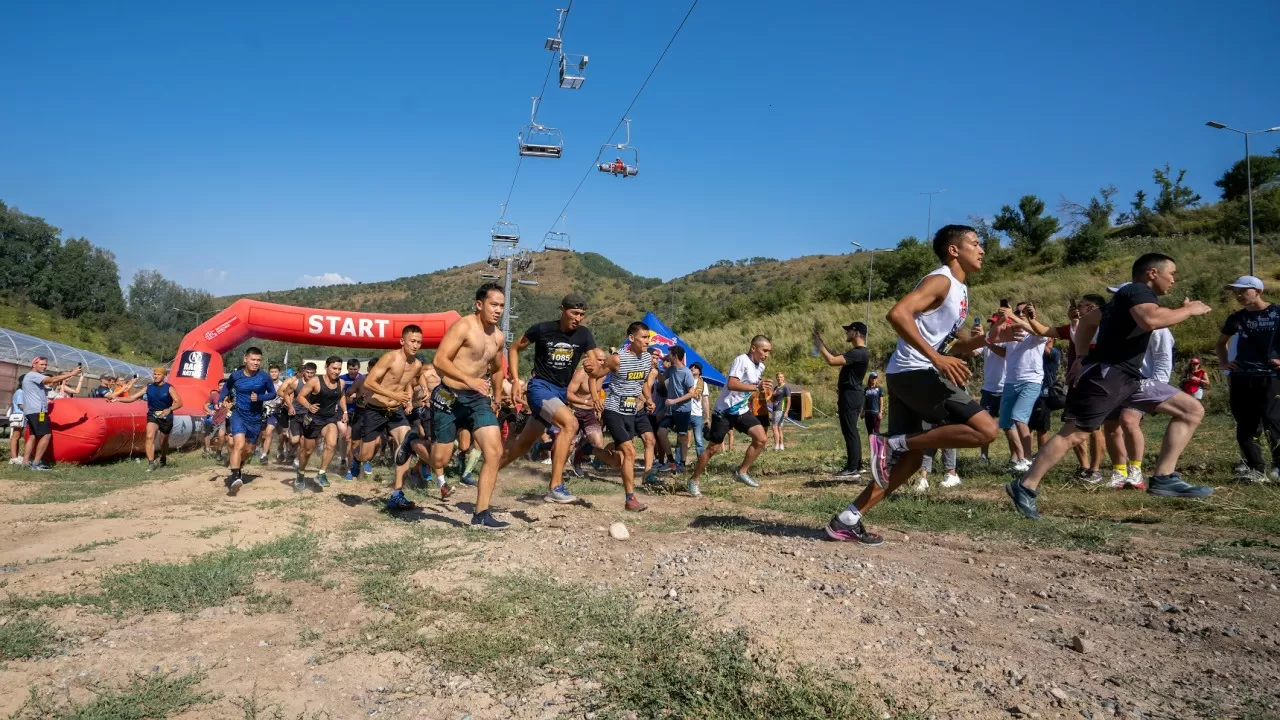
(552, 44)
(548, 151)
(572, 71)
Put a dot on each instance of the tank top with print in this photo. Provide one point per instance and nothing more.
(938, 327)
(626, 389)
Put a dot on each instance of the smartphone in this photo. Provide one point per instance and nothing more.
(1004, 303)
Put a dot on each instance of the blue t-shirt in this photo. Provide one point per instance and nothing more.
(348, 380)
(158, 397)
(35, 394)
(679, 383)
(16, 407)
(1255, 332)
(241, 386)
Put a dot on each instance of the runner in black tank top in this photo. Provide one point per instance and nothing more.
(325, 404)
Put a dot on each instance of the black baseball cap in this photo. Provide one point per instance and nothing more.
(860, 327)
(573, 301)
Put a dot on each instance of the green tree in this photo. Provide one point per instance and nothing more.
(1234, 224)
(1174, 197)
(28, 246)
(1027, 226)
(1090, 225)
(903, 268)
(1265, 168)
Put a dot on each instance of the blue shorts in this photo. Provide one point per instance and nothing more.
(1016, 403)
(250, 427)
(545, 399)
(454, 409)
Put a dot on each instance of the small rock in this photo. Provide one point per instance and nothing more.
(1059, 694)
(1081, 645)
(618, 531)
(920, 631)
(1020, 711)
(672, 593)
(1039, 606)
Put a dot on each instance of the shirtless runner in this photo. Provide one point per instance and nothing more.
(421, 434)
(388, 389)
(469, 361)
(584, 398)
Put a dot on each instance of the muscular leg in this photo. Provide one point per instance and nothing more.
(518, 445)
(1052, 452)
(627, 465)
(1096, 442)
(162, 441)
(1135, 442)
(1015, 445)
(151, 442)
(306, 447)
(1117, 449)
(489, 439)
(682, 447)
(979, 430)
(903, 470)
(1024, 438)
(563, 444)
(650, 443)
(237, 451)
(758, 440)
(712, 450)
(1185, 414)
(330, 444)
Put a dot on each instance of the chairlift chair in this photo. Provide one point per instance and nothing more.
(505, 232)
(557, 242)
(553, 43)
(622, 152)
(573, 70)
(538, 140)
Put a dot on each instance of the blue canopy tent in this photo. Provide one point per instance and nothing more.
(664, 338)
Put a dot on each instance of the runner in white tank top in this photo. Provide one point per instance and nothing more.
(928, 405)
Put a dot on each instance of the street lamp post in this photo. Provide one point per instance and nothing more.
(190, 312)
(928, 228)
(871, 274)
(1248, 176)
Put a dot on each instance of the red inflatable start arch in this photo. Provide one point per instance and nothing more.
(90, 429)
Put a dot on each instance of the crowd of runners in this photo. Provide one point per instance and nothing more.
(469, 412)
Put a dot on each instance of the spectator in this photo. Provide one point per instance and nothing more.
(35, 406)
(1195, 380)
(699, 409)
(871, 407)
(1041, 414)
(1023, 380)
(779, 406)
(948, 464)
(105, 383)
(992, 381)
(681, 390)
(1255, 374)
(850, 397)
(16, 423)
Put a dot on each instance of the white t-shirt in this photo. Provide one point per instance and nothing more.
(992, 371)
(732, 402)
(1024, 360)
(1158, 362)
(695, 407)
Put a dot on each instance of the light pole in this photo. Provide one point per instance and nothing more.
(1248, 175)
(871, 274)
(928, 228)
(192, 312)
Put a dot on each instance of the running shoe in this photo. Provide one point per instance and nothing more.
(397, 501)
(237, 482)
(848, 474)
(1172, 485)
(880, 460)
(1020, 466)
(546, 460)
(837, 530)
(299, 482)
(262, 458)
(561, 495)
(1093, 478)
(951, 480)
(424, 474)
(921, 485)
(405, 451)
(745, 479)
(38, 466)
(1136, 481)
(367, 467)
(164, 461)
(652, 479)
(151, 466)
(484, 520)
(1023, 499)
(445, 491)
(1251, 476)
(322, 480)
(295, 463)
(679, 469)
(469, 480)
(693, 488)
(1118, 480)
(984, 459)
(633, 504)
(348, 477)
(1240, 468)
(1273, 473)
(596, 464)
(576, 469)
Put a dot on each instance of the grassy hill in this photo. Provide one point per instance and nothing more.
(29, 319)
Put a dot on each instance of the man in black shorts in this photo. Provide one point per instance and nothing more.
(1110, 377)
(388, 392)
(733, 413)
(627, 406)
(325, 405)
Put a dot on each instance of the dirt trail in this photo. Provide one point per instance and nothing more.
(942, 623)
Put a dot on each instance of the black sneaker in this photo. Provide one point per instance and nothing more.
(849, 474)
(405, 451)
(837, 530)
(1023, 499)
(484, 520)
(1172, 485)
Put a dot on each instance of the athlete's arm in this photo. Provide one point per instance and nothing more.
(1151, 317)
(513, 367)
(594, 386)
(646, 391)
(342, 402)
(306, 391)
(1085, 331)
(373, 381)
(593, 362)
(176, 401)
(132, 398)
(270, 393)
(929, 294)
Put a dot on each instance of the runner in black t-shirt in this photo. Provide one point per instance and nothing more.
(1111, 377)
(558, 345)
(1254, 374)
(853, 367)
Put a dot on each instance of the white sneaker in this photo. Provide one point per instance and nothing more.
(547, 461)
(1118, 480)
(951, 480)
(15, 461)
(1022, 465)
(782, 447)
(1274, 473)
(1135, 479)
(922, 485)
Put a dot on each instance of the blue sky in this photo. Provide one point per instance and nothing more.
(238, 147)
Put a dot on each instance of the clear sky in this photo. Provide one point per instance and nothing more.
(242, 146)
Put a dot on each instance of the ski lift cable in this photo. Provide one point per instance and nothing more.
(625, 113)
(546, 78)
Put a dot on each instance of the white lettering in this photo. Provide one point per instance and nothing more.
(348, 327)
(333, 323)
(382, 327)
(315, 324)
(366, 327)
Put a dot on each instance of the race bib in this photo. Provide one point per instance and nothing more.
(443, 399)
(629, 404)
